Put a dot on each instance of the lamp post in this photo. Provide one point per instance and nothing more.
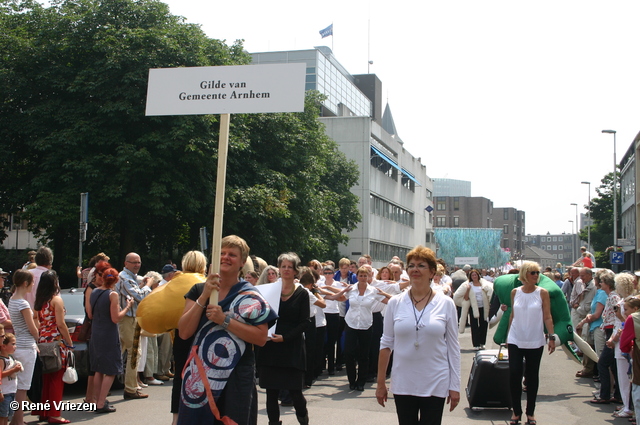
(573, 240)
(589, 217)
(615, 189)
(577, 229)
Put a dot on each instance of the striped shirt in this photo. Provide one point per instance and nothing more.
(24, 339)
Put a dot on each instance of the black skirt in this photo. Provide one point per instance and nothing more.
(281, 378)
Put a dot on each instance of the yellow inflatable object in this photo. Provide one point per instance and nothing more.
(160, 311)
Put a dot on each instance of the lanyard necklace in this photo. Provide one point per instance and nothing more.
(414, 303)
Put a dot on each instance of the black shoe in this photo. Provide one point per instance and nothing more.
(107, 408)
(359, 387)
(332, 372)
(352, 387)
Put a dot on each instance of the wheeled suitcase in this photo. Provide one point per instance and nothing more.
(488, 384)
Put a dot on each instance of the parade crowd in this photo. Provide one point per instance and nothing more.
(399, 321)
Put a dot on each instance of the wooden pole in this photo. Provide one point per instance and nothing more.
(223, 148)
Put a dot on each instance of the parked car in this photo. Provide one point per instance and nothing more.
(74, 318)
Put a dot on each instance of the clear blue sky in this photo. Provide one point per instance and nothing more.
(509, 95)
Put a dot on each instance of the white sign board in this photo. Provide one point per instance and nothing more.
(461, 261)
(226, 89)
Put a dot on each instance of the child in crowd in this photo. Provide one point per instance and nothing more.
(9, 367)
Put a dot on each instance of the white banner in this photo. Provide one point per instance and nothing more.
(226, 89)
(461, 261)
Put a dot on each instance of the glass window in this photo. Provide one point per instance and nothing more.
(506, 229)
(456, 203)
(456, 221)
(441, 221)
(506, 214)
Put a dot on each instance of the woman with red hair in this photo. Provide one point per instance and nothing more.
(106, 357)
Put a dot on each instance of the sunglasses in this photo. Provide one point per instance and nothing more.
(534, 273)
(327, 272)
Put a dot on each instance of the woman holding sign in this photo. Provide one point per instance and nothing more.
(219, 375)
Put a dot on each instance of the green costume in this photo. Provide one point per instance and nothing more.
(503, 286)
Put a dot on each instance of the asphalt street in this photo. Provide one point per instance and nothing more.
(562, 399)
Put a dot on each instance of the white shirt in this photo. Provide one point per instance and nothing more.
(389, 288)
(432, 368)
(527, 326)
(333, 307)
(360, 313)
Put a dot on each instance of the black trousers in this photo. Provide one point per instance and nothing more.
(273, 408)
(413, 410)
(374, 349)
(531, 372)
(478, 328)
(333, 333)
(356, 349)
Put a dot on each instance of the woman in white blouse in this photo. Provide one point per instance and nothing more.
(421, 328)
(359, 320)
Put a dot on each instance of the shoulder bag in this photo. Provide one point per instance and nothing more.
(51, 356)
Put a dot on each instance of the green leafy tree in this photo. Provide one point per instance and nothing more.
(602, 220)
(290, 185)
(73, 82)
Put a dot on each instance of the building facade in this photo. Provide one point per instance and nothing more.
(394, 189)
(451, 187)
(627, 231)
(563, 248)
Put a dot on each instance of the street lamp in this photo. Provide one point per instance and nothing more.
(589, 217)
(615, 189)
(577, 228)
(573, 239)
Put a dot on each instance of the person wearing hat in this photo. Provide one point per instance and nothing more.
(168, 271)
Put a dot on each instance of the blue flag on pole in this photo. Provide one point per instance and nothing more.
(327, 31)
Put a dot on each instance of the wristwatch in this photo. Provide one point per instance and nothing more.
(225, 324)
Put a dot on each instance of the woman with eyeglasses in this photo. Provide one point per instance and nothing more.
(530, 314)
(335, 323)
(420, 328)
(359, 320)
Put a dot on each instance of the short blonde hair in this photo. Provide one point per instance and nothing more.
(344, 261)
(528, 266)
(236, 242)
(194, 262)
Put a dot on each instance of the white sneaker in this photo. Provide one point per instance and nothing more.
(153, 381)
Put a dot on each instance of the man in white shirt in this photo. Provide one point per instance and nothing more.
(44, 260)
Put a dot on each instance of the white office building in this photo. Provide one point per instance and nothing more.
(394, 189)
